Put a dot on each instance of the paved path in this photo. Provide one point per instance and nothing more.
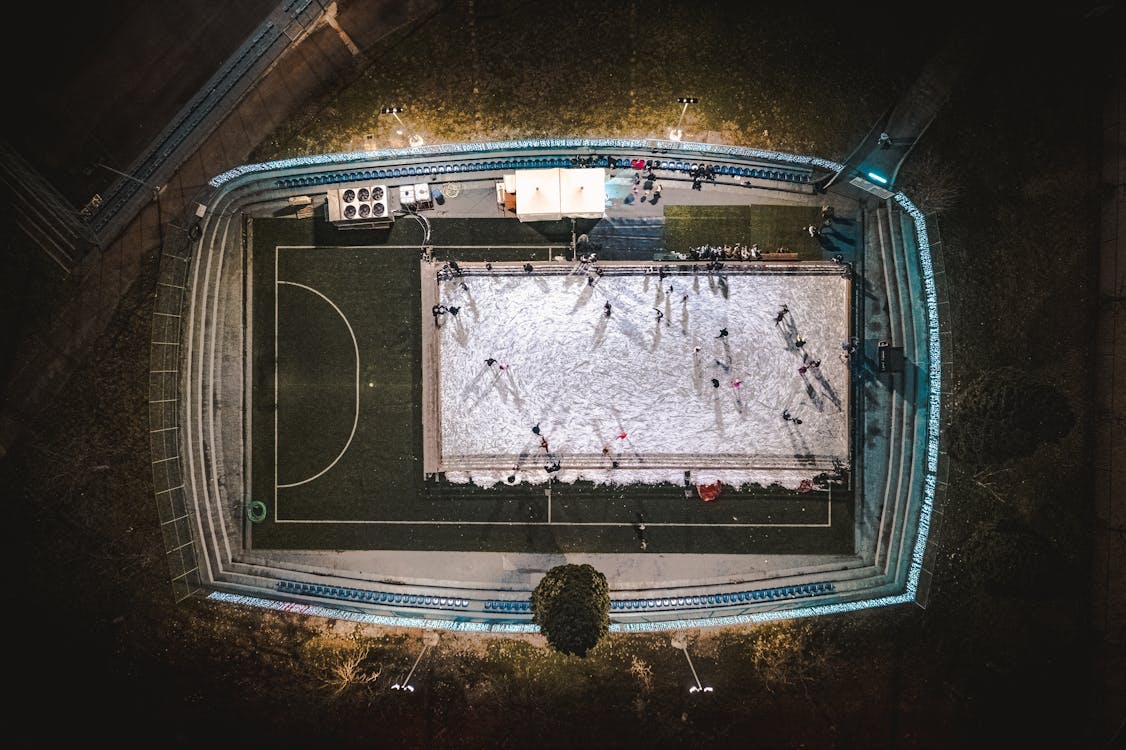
(907, 120)
(106, 276)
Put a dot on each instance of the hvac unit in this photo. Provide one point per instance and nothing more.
(359, 204)
(406, 196)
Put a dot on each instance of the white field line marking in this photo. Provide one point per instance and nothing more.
(356, 412)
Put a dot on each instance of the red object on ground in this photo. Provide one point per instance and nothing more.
(709, 492)
(622, 436)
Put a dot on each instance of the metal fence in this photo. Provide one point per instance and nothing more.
(165, 433)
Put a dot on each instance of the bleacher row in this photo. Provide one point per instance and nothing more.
(719, 600)
(372, 597)
(524, 606)
(730, 170)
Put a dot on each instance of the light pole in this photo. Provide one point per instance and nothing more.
(156, 191)
(414, 140)
(429, 639)
(676, 134)
(679, 641)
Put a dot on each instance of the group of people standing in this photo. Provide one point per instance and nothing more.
(738, 251)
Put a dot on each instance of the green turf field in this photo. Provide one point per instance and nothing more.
(336, 435)
(772, 227)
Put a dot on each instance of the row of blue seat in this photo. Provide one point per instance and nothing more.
(501, 605)
(778, 173)
(525, 607)
(719, 600)
(372, 597)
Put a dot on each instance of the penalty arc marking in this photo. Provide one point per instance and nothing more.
(356, 411)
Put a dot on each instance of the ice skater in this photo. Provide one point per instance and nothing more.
(606, 309)
(453, 310)
(536, 429)
(722, 333)
(490, 362)
(781, 314)
(660, 315)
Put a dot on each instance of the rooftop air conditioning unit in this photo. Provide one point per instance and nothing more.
(359, 203)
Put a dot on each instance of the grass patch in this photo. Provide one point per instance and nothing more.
(772, 227)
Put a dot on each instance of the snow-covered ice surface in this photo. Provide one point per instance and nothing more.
(632, 389)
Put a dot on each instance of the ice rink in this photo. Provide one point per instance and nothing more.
(628, 378)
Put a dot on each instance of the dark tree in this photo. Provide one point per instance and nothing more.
(572, 607)
(1007, 414)
(1009, 557)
